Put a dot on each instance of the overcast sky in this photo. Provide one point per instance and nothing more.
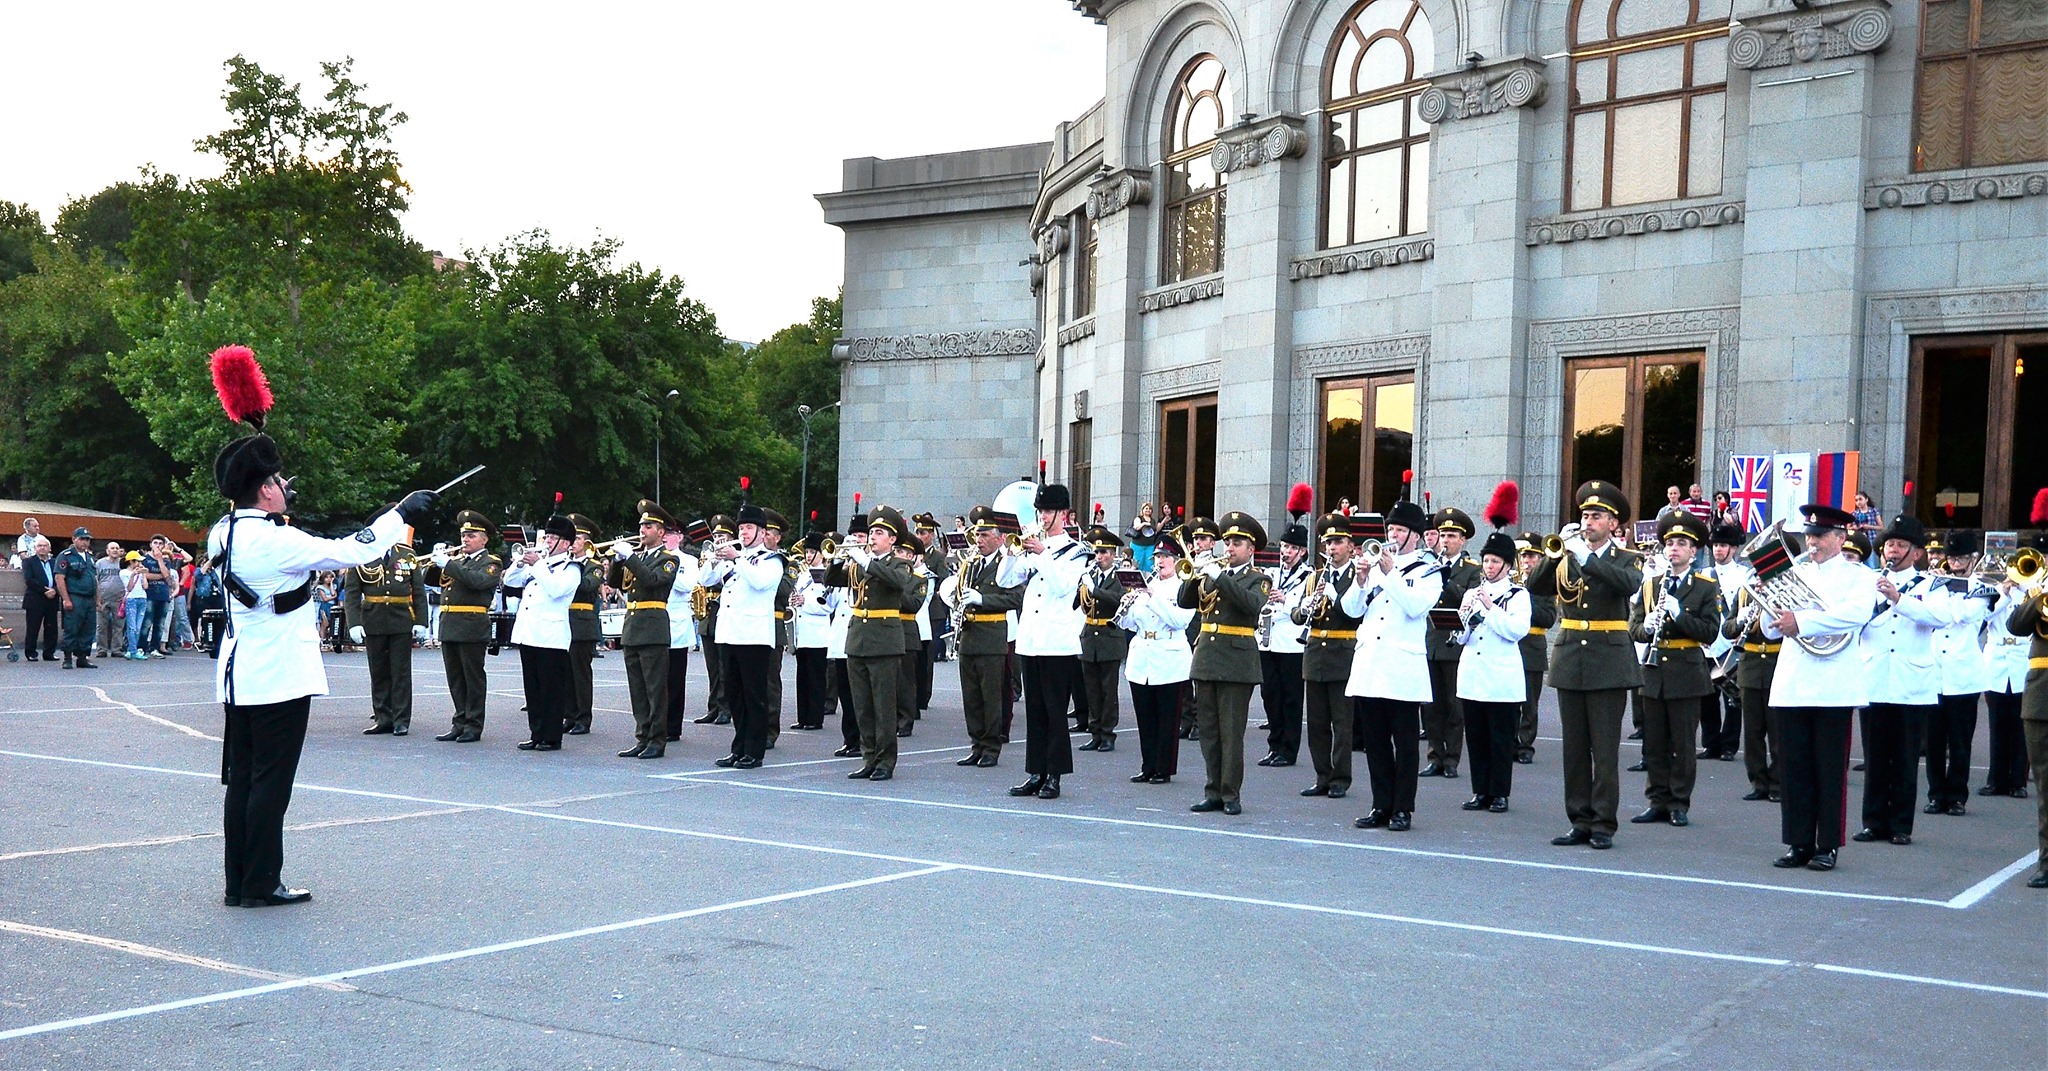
(694, 131)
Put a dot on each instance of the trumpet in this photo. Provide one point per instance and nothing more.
(1371, 548)
(2025, 568)
(1553, 545)
(833, 551)
(612, 547)
(1013, 542)
(1188, 568)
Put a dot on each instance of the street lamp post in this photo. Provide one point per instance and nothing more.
(803, 484)
(659, 412)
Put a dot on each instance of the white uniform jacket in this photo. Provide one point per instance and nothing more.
(2005, 655)
(1049, 623)
(746, 612)
(1490, 669)
(682, 625)
(1898, 642)
(1286, 637)
(1390, 661)
(1728, 581)
(814, 606)
(550, 585)
(268, 657)
(1842, 679)
(1958, 645)
(835, 634)
(1159, 651)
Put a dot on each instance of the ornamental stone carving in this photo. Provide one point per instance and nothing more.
(1782, 40)
(1117, 190)
(1343, 262)
(1919, 192)
(1076, 331)
(1167, 297)
(984, 342)
(1052, 240)
(1561, 229)
(1282, 137)
(1485, 90)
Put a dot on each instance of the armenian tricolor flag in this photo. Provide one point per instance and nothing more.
(1834, 479)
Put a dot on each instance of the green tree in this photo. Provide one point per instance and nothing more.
(793, 368)
(21, 234)
(102, 223)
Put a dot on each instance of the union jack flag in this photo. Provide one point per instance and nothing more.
(1749, 489)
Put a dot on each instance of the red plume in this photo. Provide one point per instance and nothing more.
(1505, 506)
(558, 500)
(1041, 470)
(2040, 514)
(856, 501)
(239, 380)
(1299, 498)
(1909, 488)
(1950, 509)
(1407, 475)
(814, 515)
(745, 483)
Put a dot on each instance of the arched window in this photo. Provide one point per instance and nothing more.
(1983, 74)
(1376, 165)
(1197, 110)
(1649, 93)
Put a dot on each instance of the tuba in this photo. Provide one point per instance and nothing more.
(1777, 589)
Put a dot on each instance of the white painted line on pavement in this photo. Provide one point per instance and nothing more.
(180, 838)
(1970, 896)
(1921, 979)
(165, 722)
(152, 952)
(467, 953)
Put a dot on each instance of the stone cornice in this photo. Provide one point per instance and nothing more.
(1113, 191)
(1099, 10)
(992, 193)
(1622, 222)
(1166, 297)
(1493, 86)
(1817, 30)
(1956, 188)
(1076, 331)
(1363, 258)
(1275, 137)
(979, 342)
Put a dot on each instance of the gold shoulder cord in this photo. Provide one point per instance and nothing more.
(1209, 598)
(1568, 590)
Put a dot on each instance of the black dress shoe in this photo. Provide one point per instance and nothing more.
(1400, 822)
(861, 774)
(1232, 807)
(278, 897)
(2040, 879)
(1777, 797)
(633, 752)
(722, 719)
(1957, 810)
(1525, 758)
(449, 735)
(1933, 807)
(971, 760)
(1373, 819)
(1499, 805)
(1575, 837)
(580, 730)
(1142, 778)
(1434, 769)
(377, 730)
(1030, 786)
(1727, 756)
(1860, 767)
(1640, 766)
(1161, 779)
(400, 732)
(1987, 790)
(727, 762)
(1108, 744)
(1866, 835)
(1476, 803)
(1651, 814)
(231, 900)
(549, 745)
(1793, 859)
(469, 738)
(1265, 725)
(1051, 789)
(651, 751)
(1680, 818)
(67, 661)
(87, 663)
(2019, 793)
(674, 738)
(528, 745)
(986, 762)
(1282, 760)
(1822, 860)
(903, 732)
(1316, 790)
(747, 762)
(1902, 839)
(1600, 842)
(1206, 806)
(1636, 735)
(1706, 753)
(847, 751)
(1450, 769)
(881, 775)
(1093, 745)
(705, 720)
(1755, 794)
(1268, 760)
(1336, 793)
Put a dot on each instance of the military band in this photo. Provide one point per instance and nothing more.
(385, 605)
(646, 576)
(468, 579)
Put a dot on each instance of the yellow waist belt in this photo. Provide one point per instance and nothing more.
(1098, 621)
(878, 615)
(464, 609)
(1227, 630)
(2037, 663)
(582, 606)
(987, 619)
(1573, 624)
(1676, 645)
(1332, 634)
(1762, 648)
(647, 606)
(388, 600)
(1539, 632)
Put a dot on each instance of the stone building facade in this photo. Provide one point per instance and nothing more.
(1333, 240)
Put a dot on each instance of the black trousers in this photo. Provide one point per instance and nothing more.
(1490, 743)
(2008, 742)
(747, 666)
(467, 684)
(42, 620)
(906, 688)
(849, 722)
(1187, 706)
(1330, 735)
(1892, 735)
(263, 745)
(1157, 710)
(545, 672)
(1013, 687)
(1525, 729)
(1764, 756)
(1080, 701)
(1280, 692)
(582, 697)
(924, 673)
(1951, 727)
(810, 687)
(1815, 766)
(1444, 717)
(390, 659)
(678, 692)
(1393, 732)
(1720, 724)
(1099, 687)
(716, 699)
(1048, 688)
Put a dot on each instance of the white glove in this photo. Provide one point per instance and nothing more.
(1578, 549)
(972, 598)
(355, 634)
(440, 559)
(1213, 570)
(1669, 605)
(419, 633)
(859, 556)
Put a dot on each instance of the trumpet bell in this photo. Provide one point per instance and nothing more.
(2026, 567)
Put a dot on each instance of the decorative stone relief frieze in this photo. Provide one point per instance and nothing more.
(1080, 405)
(1783, 40)
(1379, 256)
(1167, 297)
(1343, 359)
(1282, 137)
(1115, 191)
(1919, 192)
(1076, 331)
(1621, 222)
(984, 342)
(1509, 84)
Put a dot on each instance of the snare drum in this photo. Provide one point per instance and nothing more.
(501, 632)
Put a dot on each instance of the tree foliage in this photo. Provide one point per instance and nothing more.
(21, 234)
(793, 368)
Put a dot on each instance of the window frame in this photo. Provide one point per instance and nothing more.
(1998, 497)
(1610, 48)
(1188, 494)
(1365, 495)
(1081, 465)
(1630, 477)
(1084, 269)
(1172, 267)
(1358, 102)
(1969, 56)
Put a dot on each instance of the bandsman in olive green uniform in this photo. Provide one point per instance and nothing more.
(468, 581)
(1685, 606)
(585, 631)
(1754, 669)
(911, 551)
(1228, 594)
(877, 579)
(1326, 659)
(2030, 618)
(1443, 717)
(645, 576)
(1201, 540)
(385, 605)
(1535, 647)
(1593, 664)
(1103, 643)
(984, 636)
(716, 710)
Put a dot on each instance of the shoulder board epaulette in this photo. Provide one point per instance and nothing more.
(1703, 576)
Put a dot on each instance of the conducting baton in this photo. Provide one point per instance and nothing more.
(444, 487)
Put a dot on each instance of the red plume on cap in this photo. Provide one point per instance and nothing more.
(814, 515)
(1909, 488)
(745, 483)
(558, 499)
(1505, 506)
(2040, 514)
(1299, 498)
(1407, 475)
(856, 501)
(239, 380)
(1041, 470)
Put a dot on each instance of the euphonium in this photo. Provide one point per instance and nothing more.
(1777, 589)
